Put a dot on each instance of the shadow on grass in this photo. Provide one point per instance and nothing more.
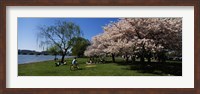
(108, 62)
(155, 67)
(81, 69)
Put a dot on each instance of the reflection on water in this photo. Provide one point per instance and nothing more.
(36, 58)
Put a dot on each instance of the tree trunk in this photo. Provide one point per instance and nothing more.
(133, 59)
(127, 59)
(63, 57)
(143, 53)
(93, 59)
(163, 58)
(55, 58)
(149, 59)
(142, 59)
(113, 58)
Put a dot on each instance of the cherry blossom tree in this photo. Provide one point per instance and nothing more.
(140, 37)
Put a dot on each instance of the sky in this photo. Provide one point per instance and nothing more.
(28, 28)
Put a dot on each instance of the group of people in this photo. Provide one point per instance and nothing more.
(89, 62)
(92, 61)
(74, 62)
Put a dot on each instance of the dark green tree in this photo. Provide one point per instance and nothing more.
(54, 50)
(79, 45)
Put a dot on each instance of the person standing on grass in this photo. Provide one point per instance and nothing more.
(74, 62)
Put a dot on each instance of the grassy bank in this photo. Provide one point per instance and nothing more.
(47, 68)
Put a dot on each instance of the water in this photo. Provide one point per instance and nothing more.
(22, 59)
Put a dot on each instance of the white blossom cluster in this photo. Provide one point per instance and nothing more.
(134, 35)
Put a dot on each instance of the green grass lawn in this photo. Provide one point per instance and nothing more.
(47, 68)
